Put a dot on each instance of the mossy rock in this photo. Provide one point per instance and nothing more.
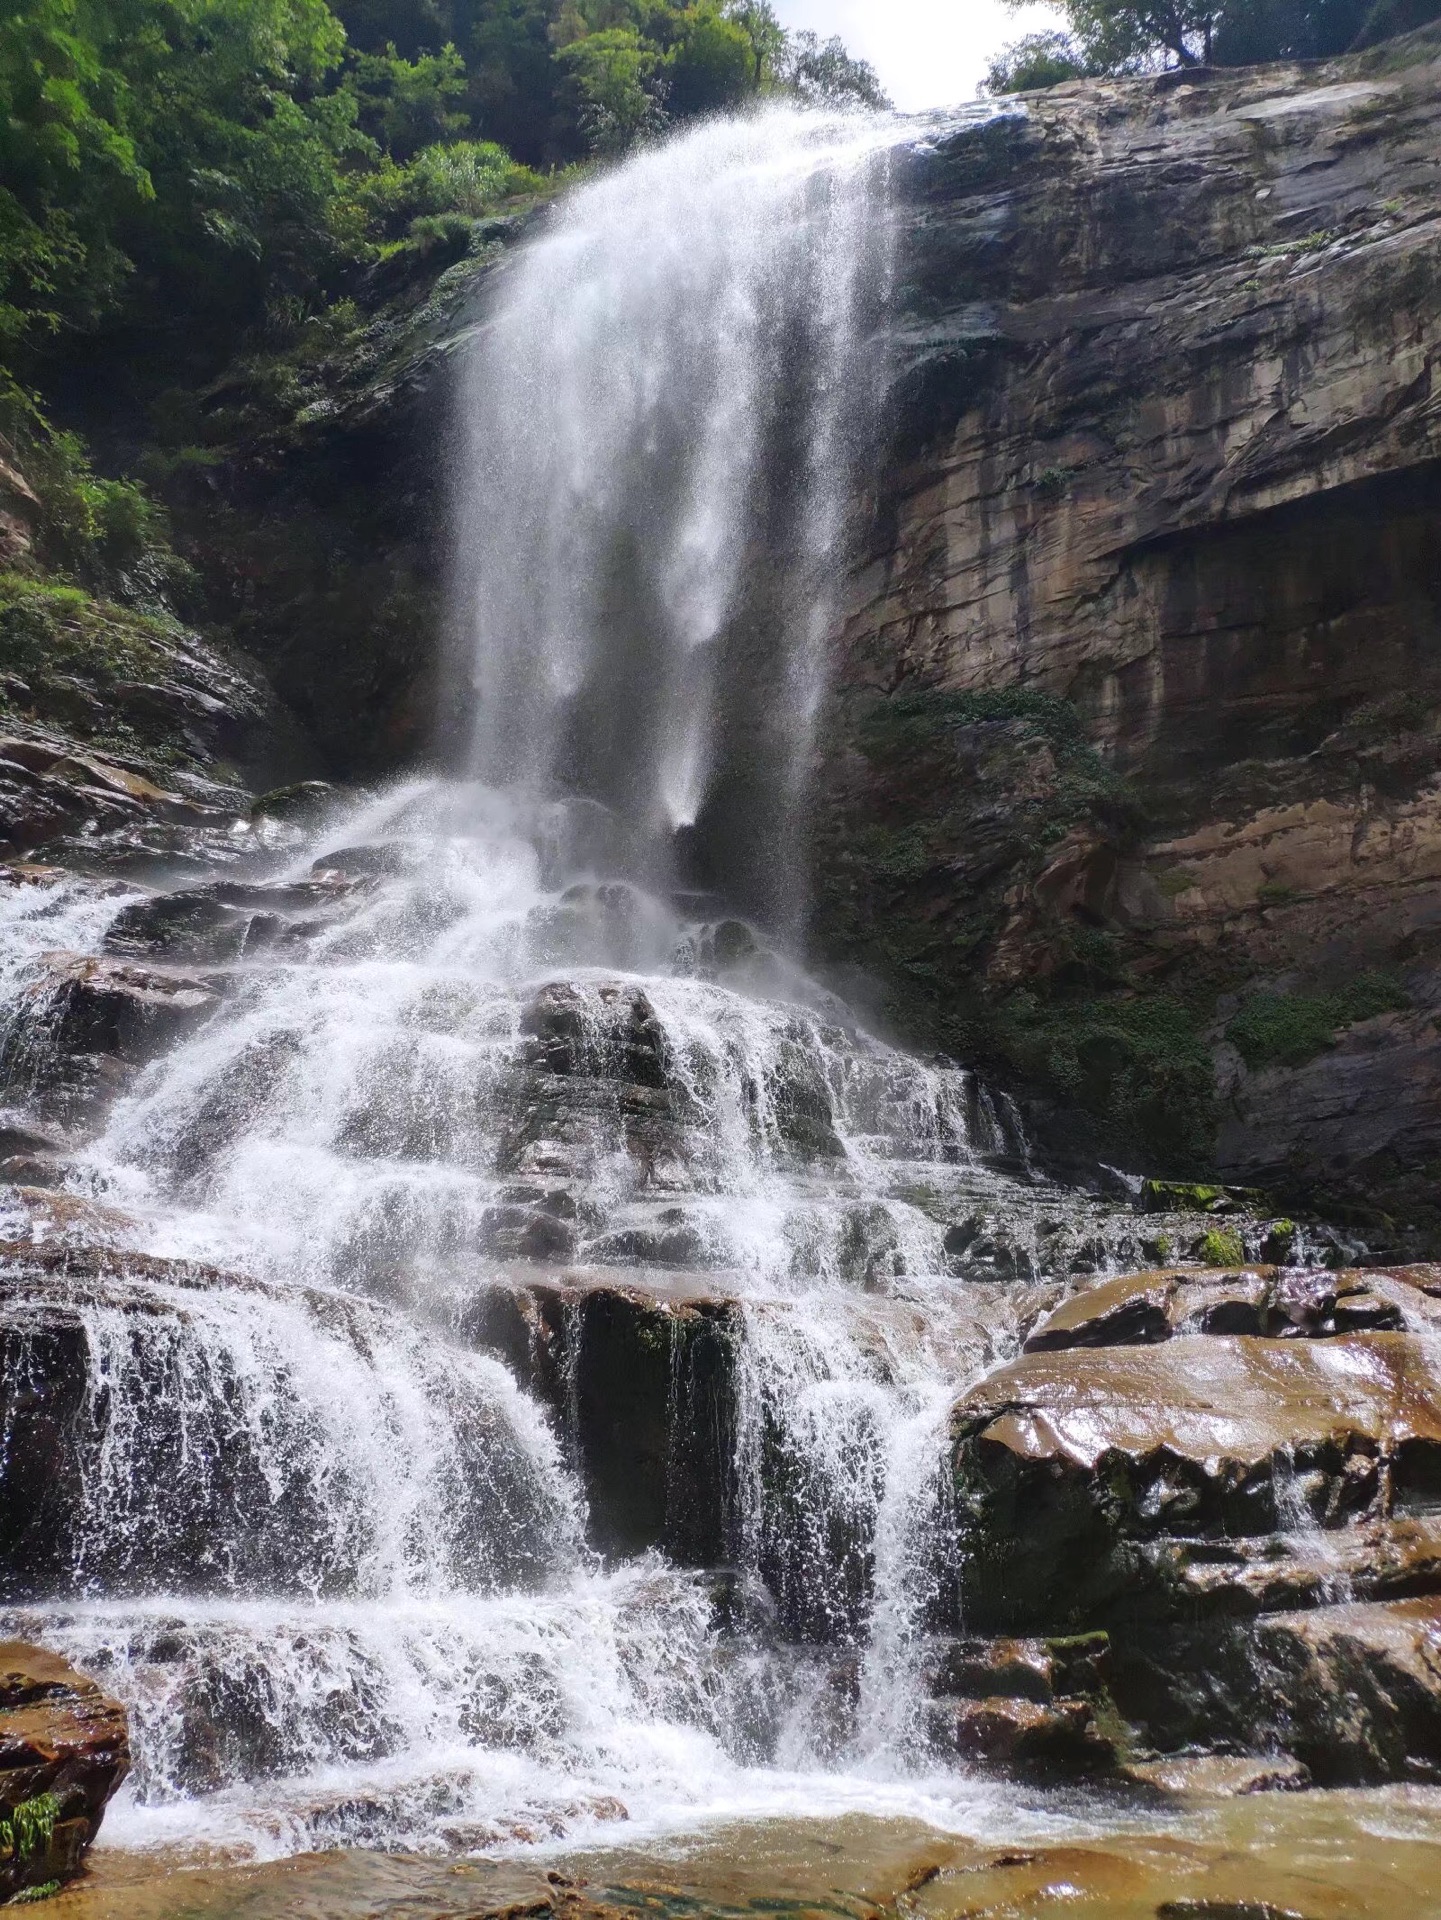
(1190, 1196)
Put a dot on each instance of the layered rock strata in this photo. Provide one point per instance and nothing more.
(1131, 778)
(1233, 1476)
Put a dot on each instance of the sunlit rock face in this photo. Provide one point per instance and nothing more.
(1164, 480)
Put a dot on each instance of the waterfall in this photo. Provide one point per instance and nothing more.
(672, 391)
(524, 1070)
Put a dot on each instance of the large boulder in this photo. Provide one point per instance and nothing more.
(1235, 1474)
(1074, 1470)
(63, 1752)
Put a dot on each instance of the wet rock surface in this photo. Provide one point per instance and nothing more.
(1237, 1475)
(64, 1750)
(1260, 1856)
(549, 1178)
(641, 1381)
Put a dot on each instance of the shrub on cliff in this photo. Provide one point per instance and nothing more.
(1137, 36)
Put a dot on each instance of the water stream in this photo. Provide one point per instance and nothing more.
(520, 1028)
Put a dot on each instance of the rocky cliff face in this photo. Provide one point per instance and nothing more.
(1133, 773)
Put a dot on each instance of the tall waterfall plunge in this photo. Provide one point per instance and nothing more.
(664, 413)
(505, 1141)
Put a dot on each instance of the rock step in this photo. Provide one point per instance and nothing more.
(640, 1379)
(1027, 1707)
(64, 1749)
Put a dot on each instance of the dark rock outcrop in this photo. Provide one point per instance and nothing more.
(63, 1751)
(640, 1381)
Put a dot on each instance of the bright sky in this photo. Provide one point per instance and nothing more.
(928, 53)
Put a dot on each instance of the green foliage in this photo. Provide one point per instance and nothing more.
(1288, 1029)
(1036, 60)
(28, 1827)
(28, 1895)
(468, 177)
(710, 68)
(213, 164)
(615, 84)
(409, 104)
(901, 723)
(1131, 36)
(1141, 1065)
(67, 166)
(822, 73)
(90, 527)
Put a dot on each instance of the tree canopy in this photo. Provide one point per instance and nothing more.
(212, 164)
(1137, 36)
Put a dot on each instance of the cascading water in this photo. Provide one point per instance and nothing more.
(500, 1042)
(672, 383)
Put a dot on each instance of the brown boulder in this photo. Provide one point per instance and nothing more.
(1017, 1736)
(63, 1751)
(1070, 1466)
(1273, 1302)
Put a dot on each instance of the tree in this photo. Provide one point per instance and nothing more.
(1037, 60)
(616, 87)
(757, 21)
(1115, 35)
(409, 104)
(1136, 36)
(710, 68)
(68, 166)
(824, 74)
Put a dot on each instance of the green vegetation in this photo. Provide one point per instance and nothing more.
(27, 1829)
(222, 163)
(218, 218)
(1140, 36)
(1288, 1029)
(1140, 1065)
(1221, 1247)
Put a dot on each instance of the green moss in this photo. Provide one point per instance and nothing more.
(1051, 483)
(1276, 1029)
(28, 1895)
(1192, 1196)
(1280, 1241)
(1220, 1247)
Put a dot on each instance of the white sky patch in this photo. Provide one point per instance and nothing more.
(928, 53)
